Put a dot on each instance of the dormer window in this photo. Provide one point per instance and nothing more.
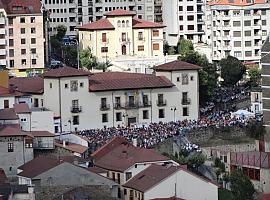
(118, 23)
(123, 23)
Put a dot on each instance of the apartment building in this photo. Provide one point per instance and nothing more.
(158, 11)
(183, 19)
(144, 8)
(239, 28)
(121, 34)
(111, 99)
(70, 13)
(22, 36)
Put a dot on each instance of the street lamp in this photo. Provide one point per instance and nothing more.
(173, 109)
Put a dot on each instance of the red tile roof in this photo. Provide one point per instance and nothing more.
(41, 134)
(97, 170)
(26, 6)
(38, 166)
(22, 108)
(120, 12)
(8, 114)
(77, 148)
(28, 84)
(150, 177)
(107, 81)
(139, 23)
(65, 72)
(123, 156)
(102, 24)
(176, 66)
(6, 92)
(236, 2)
(10, 131)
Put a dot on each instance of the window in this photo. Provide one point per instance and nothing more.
(248, 43)
(140, 35)
(190, 27)
(190, 8)
(145, 114)
(10, 31)
(73, 86)
(237, 34)
(141, 48)
(34, 61)
(123, 23)
(104, 117)
(248, 53)
(178, 79)
(247, 33)
(81, 84)
(33, 40)
(128, 175)
(33, 30)
(10, 21)
(23, 61)
(23, 41)
(180, 8)
(124, 37)
(190, 17)
(10, 147)
(66, 85)
(247, 23)
(118, 116)
(184, 79)
(118, 23)
(185, 111)
(181, 27)
(161, 113)
(103, 102)
(156, 46)
(28, 143)
(160, 99)
(6, 103)
(22, 30)
(180, 18)
(22, 20)
(125, 191)
(264, 22)
(236, 23)
(155, 33)
(237, 43)
(23, 51)
(104, 49)
(117, 102)
(139, 7)
(75, 120)
(32, 19)
(11, 63)
(237, 54)
(127, 23)
(50, 85)
(75, 104)
(104, 39)
(33, 51)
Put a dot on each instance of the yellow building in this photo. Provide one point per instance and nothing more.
(121, 34)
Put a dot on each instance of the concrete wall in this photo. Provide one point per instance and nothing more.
(42, 121)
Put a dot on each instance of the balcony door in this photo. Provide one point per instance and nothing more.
(124, 50)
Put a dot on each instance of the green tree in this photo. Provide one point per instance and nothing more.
(61, 31)
(87, 59)
(195, 160)
(241, 186)
(184, 47)
(232, 70)
(104, 65)
(166, 47)
(255, 76)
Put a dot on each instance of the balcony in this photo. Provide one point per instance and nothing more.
(2, 42)
(186, 101)
(104, 107)
(145, 104)
(2, 31)
(76, 109)
(118, 106)
(131, 105)
(161, 103)
(3, 52)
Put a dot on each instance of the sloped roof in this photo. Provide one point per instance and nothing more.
(72, 147)
(26, 6)
(266, 45)
(176, 65)
(21, 108)
(10, 131)
(102, 24)
(139, 23)
(120, 12)
(266, 59)
(8, 114)
(6, 92)
(41, 134)
(107, 81)
(150, 177)
(65, 72)
(28, 84)
(5, 187)
(236, 2)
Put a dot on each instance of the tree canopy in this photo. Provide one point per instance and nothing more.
(61, 31)
(241, 186)
(232, 70)
(255, 76)
(184, 47)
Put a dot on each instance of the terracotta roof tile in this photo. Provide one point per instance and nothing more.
(139, 23)
(7, 92)
(102, 24)
(72, 147)
(65, 72)
(9, 131)
(97, 170)
(28, 84)
(22, 108)
(236, 2)
(107, 81)
(176, 66)
(151, 176)
(8, 114)
(120, 12)
(41, 134)
(26, 6)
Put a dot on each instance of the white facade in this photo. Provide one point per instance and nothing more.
(183, 19)
(256, 102)
(238, 30)
(7, 102)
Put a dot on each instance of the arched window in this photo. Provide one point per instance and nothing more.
(123, 23)
(118, 23)
(127, 23)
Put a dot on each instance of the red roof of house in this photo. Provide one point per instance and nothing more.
(6, 92)
(236, 2)
(9, 131)
(97, 170)
(22, 108)
(150, 177)
(28, 84)
(65, 72)
(72, 147)
(176, 66)
(41, 134)
(8, 114)
(25, 6)
(107, 81)
(102, 24)
(139, 23)
(120, 12)
(124, 155)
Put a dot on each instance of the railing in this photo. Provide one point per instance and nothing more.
(186, 101)
(161, 103)
(118, 106)
(145, 104)
(104, 107)
(76, 109)
(131, 105)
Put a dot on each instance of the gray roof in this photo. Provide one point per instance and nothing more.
(265, 59)
(266, 45)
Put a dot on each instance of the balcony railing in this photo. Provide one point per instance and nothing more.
(76, 109)
(104, 107)
(186, 101)
(161, 103)
(145, 104)
(118, 106)
(131, 105)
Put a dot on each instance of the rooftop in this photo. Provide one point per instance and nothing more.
(41, 134)
(22, 108)
(28, 84)
(139, 23)
(8, 114)
(102, 24)
(12, 131)
(266, 45)
(77, 148)
(65, 72)
(120, 12)
(236, 2)
(17, 7)
(150, 177)
(176, 65)
(107, 81)
(7, 92)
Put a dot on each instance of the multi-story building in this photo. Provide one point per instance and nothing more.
(122, 35)
(70, 13)
(22, 38)
(158, 11)
(183, 19)
(256, 100)
(239, 28)
(119, 98)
